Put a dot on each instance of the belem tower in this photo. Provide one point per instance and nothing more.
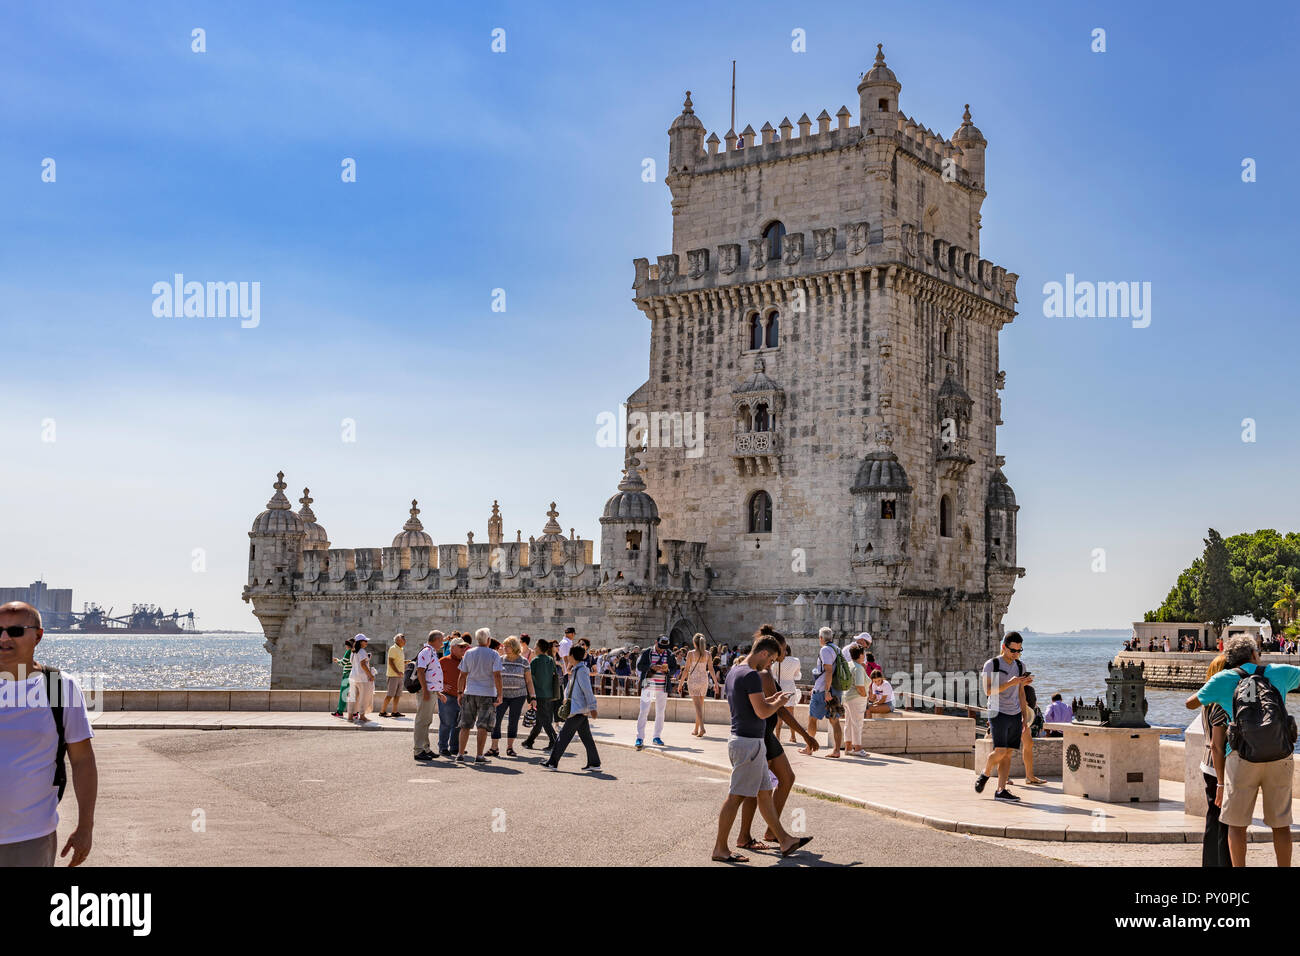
(825, 312)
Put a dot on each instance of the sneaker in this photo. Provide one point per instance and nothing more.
(549, 766)
(382, 713)
(639, 744)
(658, 743)
(481, 760)
(1006, 795)
(527, 745)
(592, 767)
(424, 756)
(979, 783)
(446, 753)
(396, 714)
(462, 758)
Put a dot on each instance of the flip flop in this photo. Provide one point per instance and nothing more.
(730, 858)
(803, 841)
(753, 845)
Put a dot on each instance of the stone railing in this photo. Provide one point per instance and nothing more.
(1184, 670)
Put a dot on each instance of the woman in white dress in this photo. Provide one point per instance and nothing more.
(696, 673)
(786, 672)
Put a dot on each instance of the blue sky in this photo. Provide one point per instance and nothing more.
(522, 171)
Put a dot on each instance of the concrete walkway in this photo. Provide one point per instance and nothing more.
(938, 796)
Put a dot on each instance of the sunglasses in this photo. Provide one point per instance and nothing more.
(16, 630)
(1013, 650)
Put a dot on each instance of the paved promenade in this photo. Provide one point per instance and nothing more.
(914, 791)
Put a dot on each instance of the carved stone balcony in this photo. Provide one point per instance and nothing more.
(757, 453)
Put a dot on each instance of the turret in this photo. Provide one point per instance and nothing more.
(971, 141)
(685, 140)
(1000, 523)
(878, 95)
(629, 543)
(314, 536)
(882, 507)
(277, 541)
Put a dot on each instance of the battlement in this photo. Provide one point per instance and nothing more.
(746, 148)
(850, 247)
(291, 555)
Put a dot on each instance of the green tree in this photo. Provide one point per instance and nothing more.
(1287, 605)
(1218, 600)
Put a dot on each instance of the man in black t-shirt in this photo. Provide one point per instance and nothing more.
(749, 774)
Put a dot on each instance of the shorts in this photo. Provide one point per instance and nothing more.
(394, 688)
(37, 852)
(772, 746)
(1243, 783)
(748, 768)
(1006, 730)
(477, 712)
(884, 704)
(817, 703)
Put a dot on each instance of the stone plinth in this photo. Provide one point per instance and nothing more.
(1112, 764)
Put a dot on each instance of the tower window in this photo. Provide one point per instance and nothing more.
(755, 332)
(947, 340)
(887, 508)
(773, 331)
(774, 233)
(634, 541)
(762, 422)
(760, 513)
(945, 517)
(882, 105)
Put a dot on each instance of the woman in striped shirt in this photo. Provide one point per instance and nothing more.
(516, 689)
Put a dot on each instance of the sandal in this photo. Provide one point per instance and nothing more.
(494, 753)
(799, 845)
(752, 844)
(730, 858)
(510, 752)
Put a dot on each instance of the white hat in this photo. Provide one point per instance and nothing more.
(864, 636)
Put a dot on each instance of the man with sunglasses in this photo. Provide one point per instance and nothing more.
(32, 772)
(1006, 703)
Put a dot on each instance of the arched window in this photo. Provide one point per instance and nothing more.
(760, 513)
(774, 233)
(762, 422)
(744, 419)
(755, 332)
(773, 333)
(945, 517)
(947, 340)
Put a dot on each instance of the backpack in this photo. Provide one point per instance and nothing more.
(55, 700)
(410, 679)
(1261, 730)
(842, 679)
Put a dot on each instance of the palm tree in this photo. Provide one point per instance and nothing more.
(1288, 605)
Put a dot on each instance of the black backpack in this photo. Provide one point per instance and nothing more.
(1261, 731)
(411, 680)
(55, 699)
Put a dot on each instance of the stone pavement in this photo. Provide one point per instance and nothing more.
(915, 791)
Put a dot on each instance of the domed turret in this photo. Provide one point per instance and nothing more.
(1000, 522)
(629, 549)
(685, 140)
(882, 506)
(276, 542)
(412, 534)
(314, 538)
(878, 93)
(971, 142)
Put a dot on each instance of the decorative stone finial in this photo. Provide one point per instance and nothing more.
(631, 476)
(883, 437)
(552, 526)
(306, 498)
(413, 523)
(305, 511)
(278, 501)
(494, 525)
(880, 54)
(686, 107)
(965, 117)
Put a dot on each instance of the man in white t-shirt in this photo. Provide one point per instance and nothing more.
(429, 673)
(863, 641)
(30, 762)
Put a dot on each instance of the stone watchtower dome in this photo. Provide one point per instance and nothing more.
(412, 534)
(629, 546)
(314, 537)
(971, 142)
(277, 535)
(878, 92)
(882, 506)
(685, 140)
(1000, 522)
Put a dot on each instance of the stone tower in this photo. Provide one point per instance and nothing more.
(825, 308)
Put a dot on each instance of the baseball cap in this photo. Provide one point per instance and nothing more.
(459, 642)
(663, 640)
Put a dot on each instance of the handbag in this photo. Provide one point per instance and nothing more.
(563, 712)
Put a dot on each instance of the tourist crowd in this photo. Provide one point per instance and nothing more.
(1190, 643)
